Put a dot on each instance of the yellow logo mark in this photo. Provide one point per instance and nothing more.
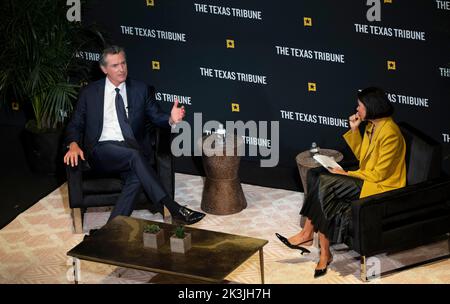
(150, 3)
(391, 65)
(312, 86)
(387, 1)
(15, 106)
(230, 44)
(307, 21)
(155, 65)
(235, 107)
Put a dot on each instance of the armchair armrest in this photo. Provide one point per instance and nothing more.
(440, 188)
(75, 182)
(373, 215)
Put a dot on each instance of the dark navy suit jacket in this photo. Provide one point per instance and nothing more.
(86, 124)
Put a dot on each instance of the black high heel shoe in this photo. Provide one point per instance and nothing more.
(323, 271)
(286, 242)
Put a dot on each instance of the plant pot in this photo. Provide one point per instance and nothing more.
(180, 245)
(153, 240)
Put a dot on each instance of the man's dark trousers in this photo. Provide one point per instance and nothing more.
(114, 156)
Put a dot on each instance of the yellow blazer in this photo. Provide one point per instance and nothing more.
(381, 161)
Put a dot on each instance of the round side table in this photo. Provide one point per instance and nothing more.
(222, 192)
(305, 162)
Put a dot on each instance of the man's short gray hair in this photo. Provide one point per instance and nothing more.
(110, 50)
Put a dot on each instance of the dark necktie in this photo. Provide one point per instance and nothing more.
(127, 132)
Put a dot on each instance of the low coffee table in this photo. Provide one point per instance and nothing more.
(213, 256)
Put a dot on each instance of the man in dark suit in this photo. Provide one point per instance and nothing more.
(110, 116)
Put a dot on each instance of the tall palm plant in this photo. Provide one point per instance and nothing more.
(38, 55)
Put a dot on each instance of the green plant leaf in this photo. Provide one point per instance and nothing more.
(151, 228)
(38, 55)
(179, 232)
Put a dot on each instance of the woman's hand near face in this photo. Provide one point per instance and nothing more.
(355, 121)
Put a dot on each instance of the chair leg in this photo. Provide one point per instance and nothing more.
(363, 269)
(77, 218)
(363, 266)
(448, 241)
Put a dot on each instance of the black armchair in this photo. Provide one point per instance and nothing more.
(408, 217)
(91, 189)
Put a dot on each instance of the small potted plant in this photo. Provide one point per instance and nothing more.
(181, 241)
(153, 236)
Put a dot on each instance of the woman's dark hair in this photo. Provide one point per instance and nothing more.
(376, 102)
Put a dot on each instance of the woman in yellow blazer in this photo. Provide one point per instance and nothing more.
(381, 154)
(379, 165)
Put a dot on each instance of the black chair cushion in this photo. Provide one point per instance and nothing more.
(101, 186)
(96, 200)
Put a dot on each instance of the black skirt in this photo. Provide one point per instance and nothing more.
(328, 202)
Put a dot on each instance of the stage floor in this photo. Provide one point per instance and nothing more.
(33, 247)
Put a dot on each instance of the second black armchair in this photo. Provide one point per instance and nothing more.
(408, 217)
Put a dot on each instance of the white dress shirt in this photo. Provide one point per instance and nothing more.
(111, 128)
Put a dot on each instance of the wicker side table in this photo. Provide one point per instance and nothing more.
(222, 192)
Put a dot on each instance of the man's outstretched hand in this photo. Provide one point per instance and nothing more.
(71, 157)
(177, 114)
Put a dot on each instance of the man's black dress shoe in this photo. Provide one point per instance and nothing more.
(286, 242)
(187, 216)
